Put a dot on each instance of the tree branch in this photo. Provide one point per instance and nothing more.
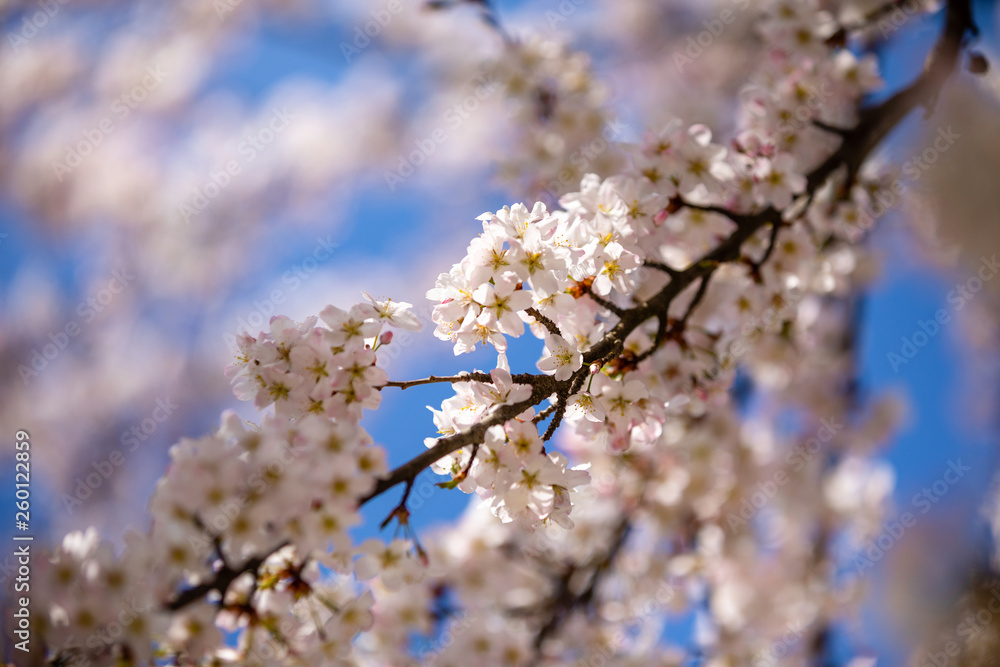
(543, 386)
(434, 379)
(544, 321)
(660, 266)
(874, 124)
(605, 303)
(221, 581)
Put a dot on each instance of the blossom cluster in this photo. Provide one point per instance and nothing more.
(510, 467)
(482, 299)
(304, 369)
(291, 490)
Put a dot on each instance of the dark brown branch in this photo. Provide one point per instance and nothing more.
(434, 379)
(668, 330)
(663, 332)
(564, 602)
(660, 266)
(221, 581)
(543, 386)
(877, 121)
(832, 129)
(738, 218)
(605, 303)
(472, 459)
(544, 321)
(488, 14)
(698, 296)
(399, 511)
(545, 413)
(560, 407)
(755, 267)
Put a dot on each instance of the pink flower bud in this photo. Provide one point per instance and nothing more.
(385, 338)
(595, 368)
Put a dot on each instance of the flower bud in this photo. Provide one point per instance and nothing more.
(978, 64)
(385, 338)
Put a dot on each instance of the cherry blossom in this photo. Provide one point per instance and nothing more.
(625, 482)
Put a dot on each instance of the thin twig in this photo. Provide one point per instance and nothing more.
(554, 424)
(839, 131)
(399, 511)
(434, 379)
(698, 296)
(660, 266)
(221, 581)
(755, 267)
(604, 303)
(739, 218)
(544, 413)
(544, 321)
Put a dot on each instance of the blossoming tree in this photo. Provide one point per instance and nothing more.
(620, 483)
